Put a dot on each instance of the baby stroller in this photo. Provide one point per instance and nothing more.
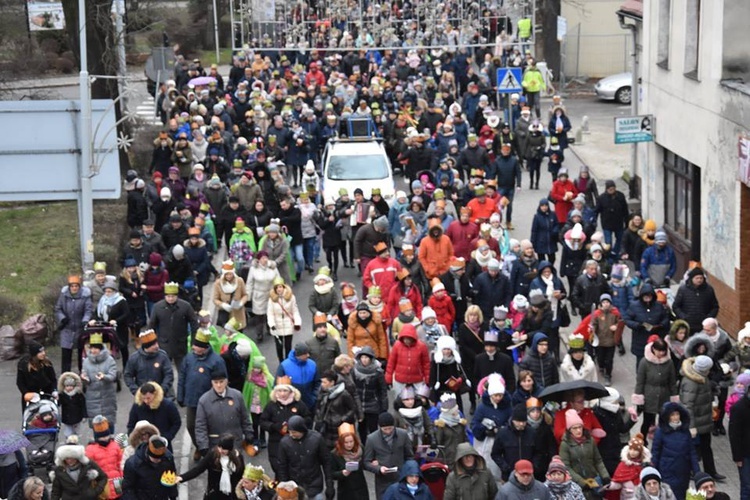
(109, 339)
(42, 435)
(435, 475)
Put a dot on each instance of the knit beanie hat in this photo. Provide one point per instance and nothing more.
(703, 364)
(572, 419)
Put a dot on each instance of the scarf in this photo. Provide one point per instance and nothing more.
(349, 305)
(473, 326)
(558, 490)
(577, 363)
(450, 417)
(254, 494)
(675, 425)
(412, 488)
(199, 176)
(388, 438)
(579, 440)
(364, 321)
(225, 482)
(74, 472)
(406, 319)
(414, 423)
(549, 292)
(258, 378)
(376, 308)
(287, 400)
(324, 289)
(483, 260)
(352, 456)
(106, 303)
(447, 360)
(228, 287)
(534, 424)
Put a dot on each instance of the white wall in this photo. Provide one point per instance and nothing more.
(699, 121)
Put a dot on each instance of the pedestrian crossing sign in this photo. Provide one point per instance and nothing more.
(509, 80)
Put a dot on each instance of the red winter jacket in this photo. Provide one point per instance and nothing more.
(410, 364)
(557, 194)
(444, 309)
(155, 284)
(382, 273)
(462, 235)
(414, 297)
(108, 458)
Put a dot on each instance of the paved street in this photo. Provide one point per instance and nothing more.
(597, 150)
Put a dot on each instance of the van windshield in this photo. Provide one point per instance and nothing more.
(350, 168)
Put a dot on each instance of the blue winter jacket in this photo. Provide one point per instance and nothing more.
(557, 284)
(304, 377)
(544, 231)
(661, 261)
(195, 376)
(485, 409)
(673, 452)
(639, 313)
(399, 490)
(622, 296)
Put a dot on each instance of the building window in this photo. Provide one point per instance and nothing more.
(692, 37)
(665, 28)
(682, 198)
(735, 56)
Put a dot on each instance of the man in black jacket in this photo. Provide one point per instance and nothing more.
(507, 172)
(695, 300)
(739, 440)
(494, 361)
(613, 212)
(588, 287)
(513, 442)
(387, 448)
(474, 156)
(302, 458)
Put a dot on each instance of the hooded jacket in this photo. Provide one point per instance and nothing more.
(639, 313)
(373, 335)
(400, 491)
(275, 416)
(101, 395)
(544, 229)
(491, 292)
(658, 264)
(697, 394)
(283, 313)
(695, 303)
(514, 490)
(582, 459)
(672, 452)
(161, 413)
(512, 445)
(195, 376)
(435, 253)
(656, 382)
(109, 459)
(486, 409)
(557, 196)
(475, 484)
(73, 311)
(303, 460)
(91, 479)
(370, 383)
(72, 406)
(408, 365)
(544, 367)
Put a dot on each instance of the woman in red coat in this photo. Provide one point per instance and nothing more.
(442, 303)
(409, 361)
(107, 454)
(562, 194)
(404, 288)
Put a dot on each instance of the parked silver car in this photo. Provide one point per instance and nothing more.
(616, 87)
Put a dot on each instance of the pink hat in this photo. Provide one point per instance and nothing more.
(572, 419)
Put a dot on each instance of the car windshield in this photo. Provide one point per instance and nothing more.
(350, 168)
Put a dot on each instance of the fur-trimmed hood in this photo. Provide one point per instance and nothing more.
(134, 438)
(158, 396)
(66, 451)
(295, 391)
(287, 295)
(645, 456)
(688, 371)
(676, 326)
(651, 358)
(697, 339)
(78, 386)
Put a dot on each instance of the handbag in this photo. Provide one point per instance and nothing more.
(564, 316)
(456, 385)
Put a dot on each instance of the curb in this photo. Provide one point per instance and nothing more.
(37, 84)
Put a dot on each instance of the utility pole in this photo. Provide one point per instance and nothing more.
(85, 195)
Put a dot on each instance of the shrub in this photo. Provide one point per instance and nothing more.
(12, 310)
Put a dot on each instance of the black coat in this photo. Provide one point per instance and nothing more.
(303, 461)
(166, 418)
(615, 425)
(372, 389)
(331, 230)
(470, 346)
(210, 463)
(739, 431)
(291, 218)
(521, 276)
(694, 304)
(172, 236)
(31, 380)
(490, 292)
(586, 292)
(502, 364)
(137, 208)
(353, 486)
(613, 210)
(171, 323)
(545, 447)
(142, 477)
(639, 313)
(512, 445)
(464, 287)
(273, 418)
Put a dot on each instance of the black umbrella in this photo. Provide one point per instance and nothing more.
(559, 392)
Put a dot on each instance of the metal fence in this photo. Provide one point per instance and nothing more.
(595, 56)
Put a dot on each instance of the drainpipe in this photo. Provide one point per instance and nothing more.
(635, 89)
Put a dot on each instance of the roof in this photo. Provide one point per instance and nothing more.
(633, 7)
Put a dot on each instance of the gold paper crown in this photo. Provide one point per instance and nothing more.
(171, 288)
(147, 336)
(168, 478)
(96, 338)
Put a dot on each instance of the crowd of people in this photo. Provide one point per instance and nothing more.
(451, 303)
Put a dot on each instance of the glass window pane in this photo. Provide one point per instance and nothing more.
(680, 209)
(669, 198)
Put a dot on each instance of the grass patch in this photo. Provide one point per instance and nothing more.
(40, 245)
(208, 57)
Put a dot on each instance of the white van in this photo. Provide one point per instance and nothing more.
(356, 163)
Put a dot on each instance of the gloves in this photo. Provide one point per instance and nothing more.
(92, 474)
(633, 414)
(297, 328)
(440, 423)
(64, 322)
(437, 385)
(667, 281)
(226, 307)
(203, 452)
(693, 432)
(598, 433)
(489, 423)
(462, 421)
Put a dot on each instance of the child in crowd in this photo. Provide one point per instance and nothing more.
(450, 428)
(72, 403)
(627, 476)
(740, 388)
